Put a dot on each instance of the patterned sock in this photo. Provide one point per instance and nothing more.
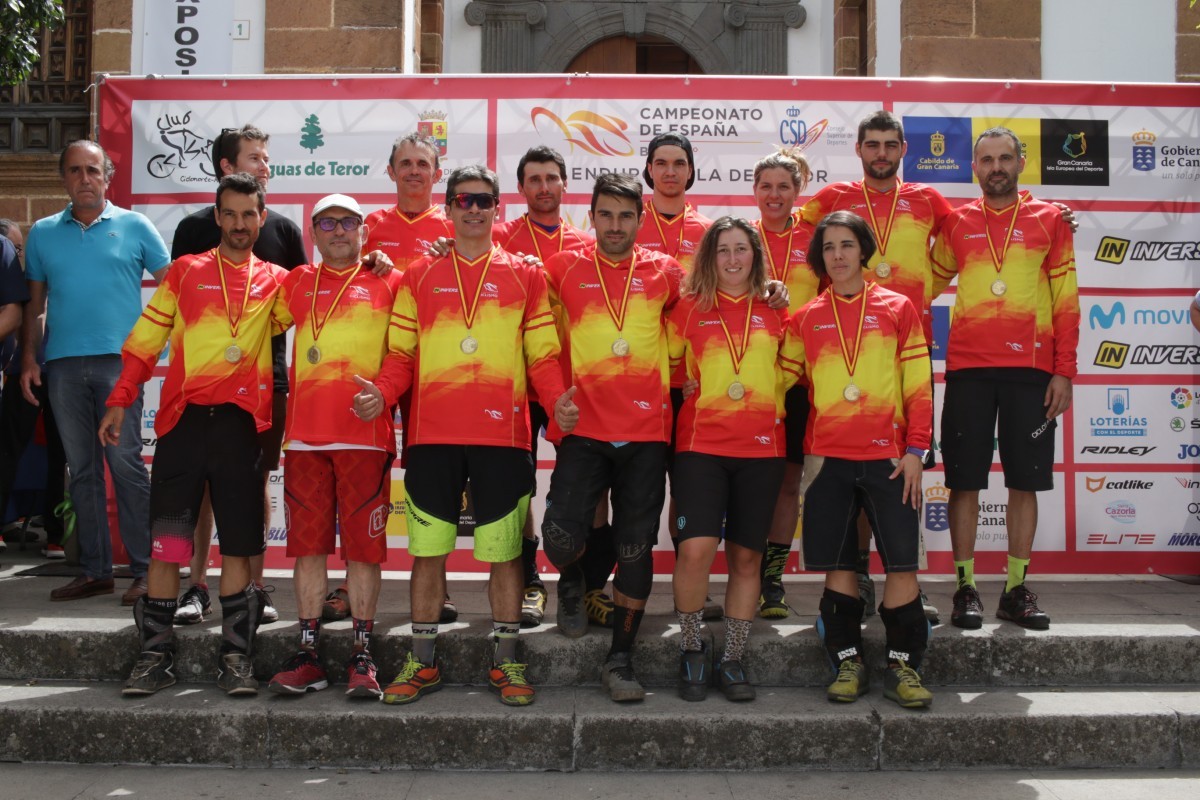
(625, 628)
(362, 633)
(424, 639)
(774, 560)
(965, 571)
(505, 634)
(155, 620)
(689, 623)
(737, 632)
(1017, 568)
(310, 633)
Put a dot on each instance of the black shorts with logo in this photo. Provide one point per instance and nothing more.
(726, 497)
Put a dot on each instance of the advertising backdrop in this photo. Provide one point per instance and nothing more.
(1126, 158)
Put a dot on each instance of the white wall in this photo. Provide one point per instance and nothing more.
(247, 54)
(810, 47)
(462, 44)
(1108, 40)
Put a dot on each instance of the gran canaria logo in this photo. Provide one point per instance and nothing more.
(597, 134)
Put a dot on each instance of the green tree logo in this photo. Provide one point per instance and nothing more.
(311, 137)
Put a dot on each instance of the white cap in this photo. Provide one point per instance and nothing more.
(337, 201)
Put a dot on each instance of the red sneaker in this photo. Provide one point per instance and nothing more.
(301, 673)
(361, 676)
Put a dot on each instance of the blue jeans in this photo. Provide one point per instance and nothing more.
(78, 388)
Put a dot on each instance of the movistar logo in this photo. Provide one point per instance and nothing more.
(1105, 319)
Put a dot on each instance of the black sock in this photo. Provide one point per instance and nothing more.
(310, 632)
(240, 615)
(362, 633)
(841, 617)
(529, 551)
(863, 567)
(907, 633)
(155, 621)
(600, 557)
(573, 573)
(625, 629)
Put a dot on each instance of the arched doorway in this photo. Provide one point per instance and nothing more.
(642, 55)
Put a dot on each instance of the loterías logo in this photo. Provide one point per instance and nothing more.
(597, 134)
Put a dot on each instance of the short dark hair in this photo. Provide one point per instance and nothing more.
(421, 139)
(471, 172)
(228, 144)
(670, 139)
(109, 169)
(846, 219)
(880, 121)
(242, 183)
(613, 184)
(541, 155)
(995, 133)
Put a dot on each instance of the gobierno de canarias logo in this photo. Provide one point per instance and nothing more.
(597, 134)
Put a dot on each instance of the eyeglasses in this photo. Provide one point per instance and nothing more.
(328, 224)
(482, 200)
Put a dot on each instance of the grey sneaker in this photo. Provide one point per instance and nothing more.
(236, 675)
(931, 611)
(572, 616)
(866, 593)
(269, 612)
(619, 681)
(154, 670)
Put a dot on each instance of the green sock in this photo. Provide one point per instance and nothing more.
(965, 571)
(1017, 567)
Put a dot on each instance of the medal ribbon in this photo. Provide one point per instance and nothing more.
(469, 313)
(998, 261)
(534, 236)
(851, 361)
(317, 327)
(736, 354)
(654, 215)
(234, 322)
(882, 237)
(776, 273)
(618, 318)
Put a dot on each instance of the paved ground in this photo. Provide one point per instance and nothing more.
(57, 782)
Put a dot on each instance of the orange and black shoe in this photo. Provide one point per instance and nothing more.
(414, 681)
(507, 679)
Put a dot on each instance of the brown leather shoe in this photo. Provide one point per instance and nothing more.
(82, 587)
(136, 589)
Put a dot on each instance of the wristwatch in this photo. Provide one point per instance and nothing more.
(918, 452)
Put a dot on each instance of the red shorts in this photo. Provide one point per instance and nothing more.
(331, 491)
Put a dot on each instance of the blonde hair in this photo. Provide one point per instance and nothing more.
(790, 158)
(701, 282)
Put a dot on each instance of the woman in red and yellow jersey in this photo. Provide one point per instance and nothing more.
(863, 351)
(730, 447)
(778, 181)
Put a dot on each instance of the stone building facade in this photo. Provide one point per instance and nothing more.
(904, 38)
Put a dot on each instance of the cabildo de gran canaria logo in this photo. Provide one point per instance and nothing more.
(937, 508)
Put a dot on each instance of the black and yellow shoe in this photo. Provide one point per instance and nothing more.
(772, 603)
(533, 605)
(599, 608)
(851, 683)
(902, 684)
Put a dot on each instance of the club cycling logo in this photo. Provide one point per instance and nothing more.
(596, 134)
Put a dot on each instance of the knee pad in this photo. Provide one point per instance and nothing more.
(563, 541)
(635, 570)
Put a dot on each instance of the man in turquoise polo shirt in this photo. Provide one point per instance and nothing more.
(84, 267)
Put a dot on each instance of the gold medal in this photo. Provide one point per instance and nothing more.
(469, 345)
(233, 354)
(851, 393)
(999, 287)
(620, 348)
(883, 269)
(736, 391)
(314, 354)
(316, 321)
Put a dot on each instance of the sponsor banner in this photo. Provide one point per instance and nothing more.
(1129, 511)
(1127, 158)
(992, 532)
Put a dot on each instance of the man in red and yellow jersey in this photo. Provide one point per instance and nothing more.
(611, 299)
(406, 230)
(1011, 354)
(542, 232)
(214, 310)
(863, 352)
(466, 330)
(338, 475)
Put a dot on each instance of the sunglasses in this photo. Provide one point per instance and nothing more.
(482, 200)
(329, 224)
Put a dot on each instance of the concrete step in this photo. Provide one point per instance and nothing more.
(580, 729)
(780, 654)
